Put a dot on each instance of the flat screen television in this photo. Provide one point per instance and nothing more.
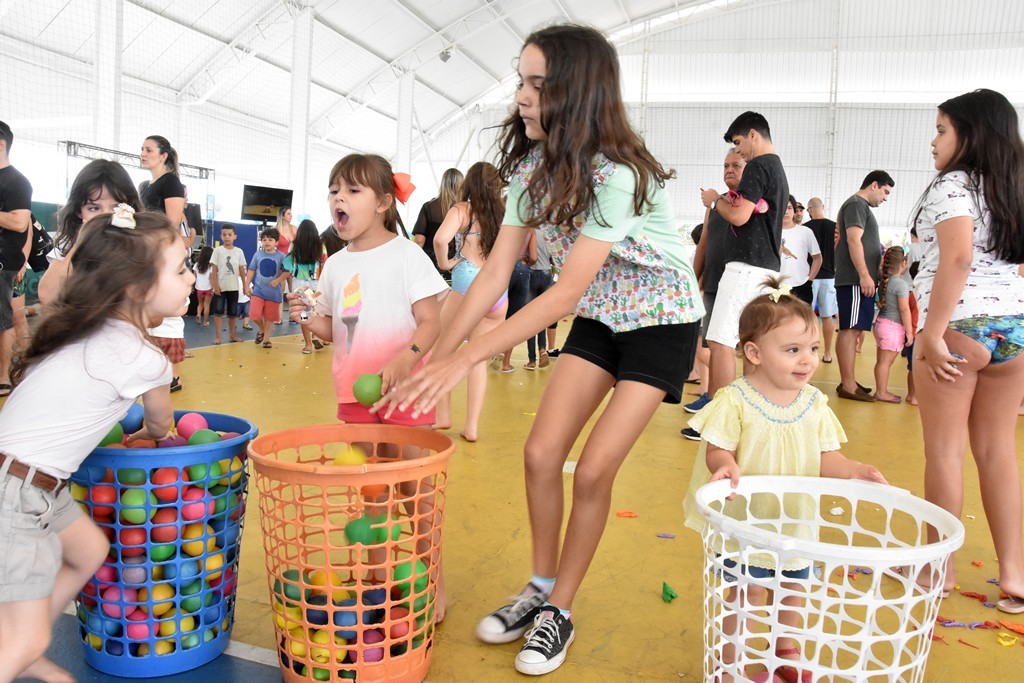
(262, 203)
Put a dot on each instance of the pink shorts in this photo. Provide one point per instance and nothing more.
(204, 293)
(261, 309)
(359, 414)
(889, 336)
(174, 349)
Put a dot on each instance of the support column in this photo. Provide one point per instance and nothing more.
(107, 63)
(298, 125)
(403, 143)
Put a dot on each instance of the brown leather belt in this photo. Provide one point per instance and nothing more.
(39, 479)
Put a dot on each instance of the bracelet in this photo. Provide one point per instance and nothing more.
(414, 348)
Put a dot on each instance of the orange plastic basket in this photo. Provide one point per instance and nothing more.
(352, 550)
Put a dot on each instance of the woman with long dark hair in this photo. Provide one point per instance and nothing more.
(969, 349)
(303, 262)
(472, 225)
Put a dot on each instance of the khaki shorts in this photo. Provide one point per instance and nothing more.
(31, 521)
(741, 283)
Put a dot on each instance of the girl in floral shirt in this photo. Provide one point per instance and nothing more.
(582, 176)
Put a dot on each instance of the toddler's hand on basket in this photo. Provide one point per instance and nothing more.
(866, 472)
(730, 471)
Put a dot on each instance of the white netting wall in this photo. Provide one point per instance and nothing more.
(215, 79)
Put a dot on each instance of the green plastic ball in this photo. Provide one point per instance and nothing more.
(360, 530)
(133, 506)
(381, 527)
(203, 436)
(115, 435)
(131, 476)
(161, 552)
(197, 474)
(289, 588)
(367, 389)
(404, 570)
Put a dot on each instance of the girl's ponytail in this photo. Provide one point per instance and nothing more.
(891, 260)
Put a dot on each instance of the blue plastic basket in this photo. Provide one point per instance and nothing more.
(160, 606)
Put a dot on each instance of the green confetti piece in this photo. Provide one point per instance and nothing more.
(668, 594)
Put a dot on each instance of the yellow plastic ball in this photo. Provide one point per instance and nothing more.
(163, 599)
(232, 469)
(95, 641)
(321, 654)
(352, 455)
(79, 492)
(322, 579)
(297, 641)
(195, 548)
(212, 566)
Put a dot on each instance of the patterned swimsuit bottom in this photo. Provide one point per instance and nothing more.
(1002, 335)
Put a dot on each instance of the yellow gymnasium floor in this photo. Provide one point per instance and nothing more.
(625, 632)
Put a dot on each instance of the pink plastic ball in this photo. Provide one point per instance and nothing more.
(139, 628)
(189, 423)
(228, 435)
(106, 575)
(112, 596)
(373, 654)
(198, 504)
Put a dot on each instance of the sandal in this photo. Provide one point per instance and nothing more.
(267, 345)
(1011, 605)
(259, 338)
(5, 390)
(307, 350)
(530, 365)
(317, 344)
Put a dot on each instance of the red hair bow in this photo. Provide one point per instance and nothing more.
(403, 186)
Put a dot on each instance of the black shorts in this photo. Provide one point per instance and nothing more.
(225, 300)
(6, 294)
(660, 356)
(856, 311)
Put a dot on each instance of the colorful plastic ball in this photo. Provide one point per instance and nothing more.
(131, 476)
(203, 436)
(132, 421)
(197, 474)
(165, 526)
(162, 597)
(95, 642)
(297, 642)
(163, 479)
(321, 674)
(232, 470)
(132, 540)
(367, 389)
(227, 436)
(286, 618)
(382, 527)
(173, 441)
(141, 443)
(346, 617)
(351, 455)
(371, 637)
(195, 548)
(403, 570)
(113, 595)
(106, 575)
(138, 626)
(213, 566)
(359, 530)
(323, 654)
(190, 641)
(190, 423)
(196, 503)
(115, 435)
(316, 613)
(133, 506)
(134, 576)
(399, 617)
(321, 578)
(375, 596)
(162, 552)
(102, 498)
(114, 648)
(87, 596)
(287, 588)
(79, 492)
(162, 647)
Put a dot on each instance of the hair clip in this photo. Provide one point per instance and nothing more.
(403, 186)
(123, 217)
(781, 291)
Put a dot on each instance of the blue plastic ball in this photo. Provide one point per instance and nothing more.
(115, 648)
(317, 616)
(132, 421)
(346, 618)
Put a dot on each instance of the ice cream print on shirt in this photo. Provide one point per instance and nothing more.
(352, 305)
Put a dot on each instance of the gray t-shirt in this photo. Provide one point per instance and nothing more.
(898, 288)
(857, 212)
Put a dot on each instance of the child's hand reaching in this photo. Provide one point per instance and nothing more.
(866, 472)
(397, 369)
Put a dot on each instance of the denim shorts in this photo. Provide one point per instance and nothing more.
(763, 573)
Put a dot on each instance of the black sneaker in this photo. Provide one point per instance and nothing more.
(546, 643)
(511, 621)
(175, 384)
(553, 353)
(690, 433)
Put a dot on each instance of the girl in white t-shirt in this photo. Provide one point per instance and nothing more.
(204, 288)
(969, 350)
(87, 363)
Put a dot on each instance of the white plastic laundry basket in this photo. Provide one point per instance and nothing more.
(865, 616)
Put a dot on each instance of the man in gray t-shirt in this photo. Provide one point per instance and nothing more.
(858, 255)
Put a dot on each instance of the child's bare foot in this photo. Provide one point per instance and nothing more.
(468, 436)
(912, 400)
(48, 672)
(216, 340)
(234, 338)
(439, 425)
(441, 601)
(887, 397)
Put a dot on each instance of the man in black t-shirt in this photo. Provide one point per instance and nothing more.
(755, 237)
(824, 286)
(15, 215)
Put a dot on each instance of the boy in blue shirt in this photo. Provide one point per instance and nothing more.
(263, 281)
